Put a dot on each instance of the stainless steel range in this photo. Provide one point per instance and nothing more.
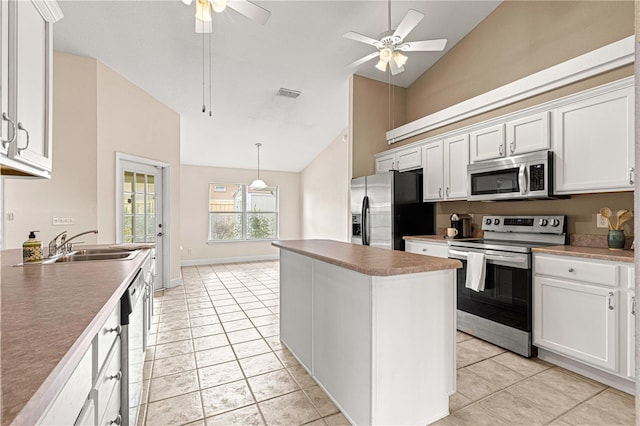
(502, 312)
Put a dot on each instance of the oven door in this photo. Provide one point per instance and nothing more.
(507, 296)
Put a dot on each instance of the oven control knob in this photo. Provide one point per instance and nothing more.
(488, 221)
(555, 222)
(544, 222)
(496, 221)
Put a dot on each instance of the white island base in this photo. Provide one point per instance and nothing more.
(382, 347)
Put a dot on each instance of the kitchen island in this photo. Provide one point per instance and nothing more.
(374, 327)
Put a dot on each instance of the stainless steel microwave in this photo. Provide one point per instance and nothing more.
(512, 178)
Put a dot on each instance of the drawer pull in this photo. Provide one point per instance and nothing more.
(425, 250)
(571, 269)
(116, 330)
(117, 421)
(610, 301)
(117, 376)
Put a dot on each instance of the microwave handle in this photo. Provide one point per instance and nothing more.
(523, 179)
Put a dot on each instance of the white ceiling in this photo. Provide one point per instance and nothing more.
(154, 45)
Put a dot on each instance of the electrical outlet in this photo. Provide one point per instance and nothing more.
(601, 221)
(63, 221)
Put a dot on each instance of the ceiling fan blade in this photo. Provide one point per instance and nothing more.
(424, 46)
(250, 10)
(361, 38)
(187, 2)
(408, 23)
(395, 69)
(363, 60)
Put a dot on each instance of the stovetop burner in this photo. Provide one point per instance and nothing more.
(514, 246)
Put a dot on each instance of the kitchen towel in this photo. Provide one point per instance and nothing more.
(475, 271)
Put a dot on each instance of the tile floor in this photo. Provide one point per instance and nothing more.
(216, 359)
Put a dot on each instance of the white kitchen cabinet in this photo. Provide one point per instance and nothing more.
(426, 248)
(487, 143)
(29, 103)
(401, 160)
(631, 334)
(445, 169)
(4, 78)
(593, 141)
(528, 134)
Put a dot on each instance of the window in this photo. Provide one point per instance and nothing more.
(238, 213)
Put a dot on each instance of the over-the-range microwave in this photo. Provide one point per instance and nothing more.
(527, 176)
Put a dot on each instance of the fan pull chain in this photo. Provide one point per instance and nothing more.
(204, 108)
(210, 72)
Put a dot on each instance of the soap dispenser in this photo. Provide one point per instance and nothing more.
(32, 249)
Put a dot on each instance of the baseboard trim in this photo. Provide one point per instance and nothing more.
(219, 260)
(175, 282)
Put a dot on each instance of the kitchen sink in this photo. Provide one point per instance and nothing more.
(89, 255)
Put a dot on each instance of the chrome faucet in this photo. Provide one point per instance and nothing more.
(65, 245)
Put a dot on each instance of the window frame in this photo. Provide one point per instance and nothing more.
(244, 214)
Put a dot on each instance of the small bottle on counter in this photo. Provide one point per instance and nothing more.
(32, 249)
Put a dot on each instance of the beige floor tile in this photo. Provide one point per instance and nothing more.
(251, 348)
(201, 313)
(236, 325)
(269, 330)
(319, 422)
(232, 316)
(259, 312)
(247, 416)
(251, 305)
(272, 384)
(208, 320)
(514, 410)
(214, 356)
(274, 342)
(301, 376)
(473, 386)
(173, 336)
(474, 415)
(265, 320)
(174, 324)
(586, 414)
(175, 411)
(228, 308)
(173, 385)
(243, 335)
(461, 337)
(226, 397)
(336, 420)
(614, 404)
(321, 401)
(180, 347)
(150, 353)
(259, 364)
(580, 388)
(524, 366)
(497, 374)
(475, 350)
(458, 401)
(206, 330)
(172, 365)
(547, 398)
(286, 357)
(290, 409)
(219, 374)
(210, 342)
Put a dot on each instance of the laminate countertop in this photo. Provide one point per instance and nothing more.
(50, 314)
(367, 260)
(588, 252)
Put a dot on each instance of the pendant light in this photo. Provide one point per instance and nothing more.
(258, 184)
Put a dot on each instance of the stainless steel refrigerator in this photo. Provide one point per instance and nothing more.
(387, 206)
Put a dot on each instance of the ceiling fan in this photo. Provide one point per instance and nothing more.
(392, 43)
(244, 7)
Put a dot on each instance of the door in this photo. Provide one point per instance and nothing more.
(456, 160)
(141, 210)
(379, 221)
(432, 174)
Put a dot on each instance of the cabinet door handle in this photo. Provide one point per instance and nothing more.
(633, 306)
(631, 173)
(439, 192)
(610, 299)
(116, 330)
(571, 269)
(117, 421)
(512, 147)
(5, 117)
(425, 250)
(447, 191)
(500, 149)
(21, 127)
(116, 376)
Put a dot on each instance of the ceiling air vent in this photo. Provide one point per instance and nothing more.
(288, 93)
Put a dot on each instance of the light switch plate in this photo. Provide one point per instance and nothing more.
(601, 222)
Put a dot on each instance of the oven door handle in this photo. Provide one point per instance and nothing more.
(509, 259)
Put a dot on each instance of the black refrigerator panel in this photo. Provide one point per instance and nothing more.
(410, 215)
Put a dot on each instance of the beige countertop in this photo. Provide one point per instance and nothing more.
(589, 253)
(367, 260)
(50, 314)
(434, 238)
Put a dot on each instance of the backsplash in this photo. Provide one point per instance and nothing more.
(580, 210)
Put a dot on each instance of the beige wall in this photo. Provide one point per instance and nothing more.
(133, 122)
(325, 186)
(71, 191)
(194, 226)
(372, 115)
(96, 113)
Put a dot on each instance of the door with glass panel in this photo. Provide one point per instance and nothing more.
(142, 209)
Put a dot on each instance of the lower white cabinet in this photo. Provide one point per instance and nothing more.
(583, 310)
(428, 249)
(631, 335)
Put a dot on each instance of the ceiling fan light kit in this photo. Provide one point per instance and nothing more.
(204, 9)
(392, 44)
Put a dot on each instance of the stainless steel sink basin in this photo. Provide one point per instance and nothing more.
(89, 255)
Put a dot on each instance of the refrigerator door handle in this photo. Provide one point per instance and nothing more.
(365, 221)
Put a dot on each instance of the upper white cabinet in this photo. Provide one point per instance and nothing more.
(487, 143)
(594, 143)
(401, 160)
(528, 134)
(27, 124)
(445, 169)
(4, 77)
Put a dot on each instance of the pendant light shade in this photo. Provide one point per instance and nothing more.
(258, 183)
